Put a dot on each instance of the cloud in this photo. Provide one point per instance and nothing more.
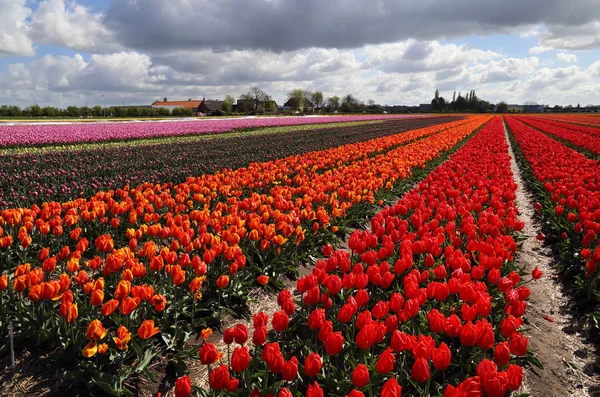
(503, 70)
(539, 50)
(594, 69)
(287, 25)
(566, 57)
(413, 56)
(209, 67)
(572, 37)
(562, 78)
(71, 25)
(13, 28)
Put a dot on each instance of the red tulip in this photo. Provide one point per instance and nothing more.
(290, 371)
(280, 321)
(514, 374)
(360, 376)
(420, 370)
(209, 354)
(441, 357)
(240, 359)
(183, 387)
(219, 378)
(391, 388)
(518, 345)
(502, 354)
(312, 365)
(314, 390)
(386, 361)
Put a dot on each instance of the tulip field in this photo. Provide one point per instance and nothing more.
(125, 248)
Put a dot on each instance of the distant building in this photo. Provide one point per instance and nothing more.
(189, 104)
(526, 108)
(211, 107)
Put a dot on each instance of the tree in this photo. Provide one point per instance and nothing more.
(296, 99)
(85, 111)
(270, 105)
(317, 99)
(50, 111)
(257, 96)
(13, 111)
(454, 97)
(228, 103)
(350, 104)
(73, 111)
(502, 107)
(438, 103)
(35, 111)
(163, 112)
(165, 99)
(245, 103)
(370, 103)
(461, 103)
(333, 104)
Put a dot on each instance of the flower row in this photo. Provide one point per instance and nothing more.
(573, 135)
(94, 132)
(571, 186)
(426, 303)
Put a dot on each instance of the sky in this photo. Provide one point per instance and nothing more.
(90, 52)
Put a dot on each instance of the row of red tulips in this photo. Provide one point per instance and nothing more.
(428, 302)
(163, 258)
(570, 123)
(570, 134)
(567, 185)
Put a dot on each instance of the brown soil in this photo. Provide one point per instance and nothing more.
(563, 353)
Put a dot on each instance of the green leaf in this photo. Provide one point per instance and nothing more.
(142, 364)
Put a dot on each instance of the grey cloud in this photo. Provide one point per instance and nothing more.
(284, 25)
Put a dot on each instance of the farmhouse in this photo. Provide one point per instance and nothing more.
(189, 104)
(211, 107)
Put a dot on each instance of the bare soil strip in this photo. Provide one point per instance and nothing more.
(563, 353)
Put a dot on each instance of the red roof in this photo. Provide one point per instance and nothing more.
(179, 104)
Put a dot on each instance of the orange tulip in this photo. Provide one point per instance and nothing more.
(70, 312)
(123, 289)
(3, 282)
(159, 302)
(105, 243)
(263, 280)
(147, 330)
(109, 307)
(129, 304)
(95, 331)
(102, 348)
(122, 339)
(90, 349)
(222, 281)
(97, 297)
(206, 333)
(196, 283)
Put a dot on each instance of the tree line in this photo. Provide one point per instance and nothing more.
(96, 111)
(468, 103)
